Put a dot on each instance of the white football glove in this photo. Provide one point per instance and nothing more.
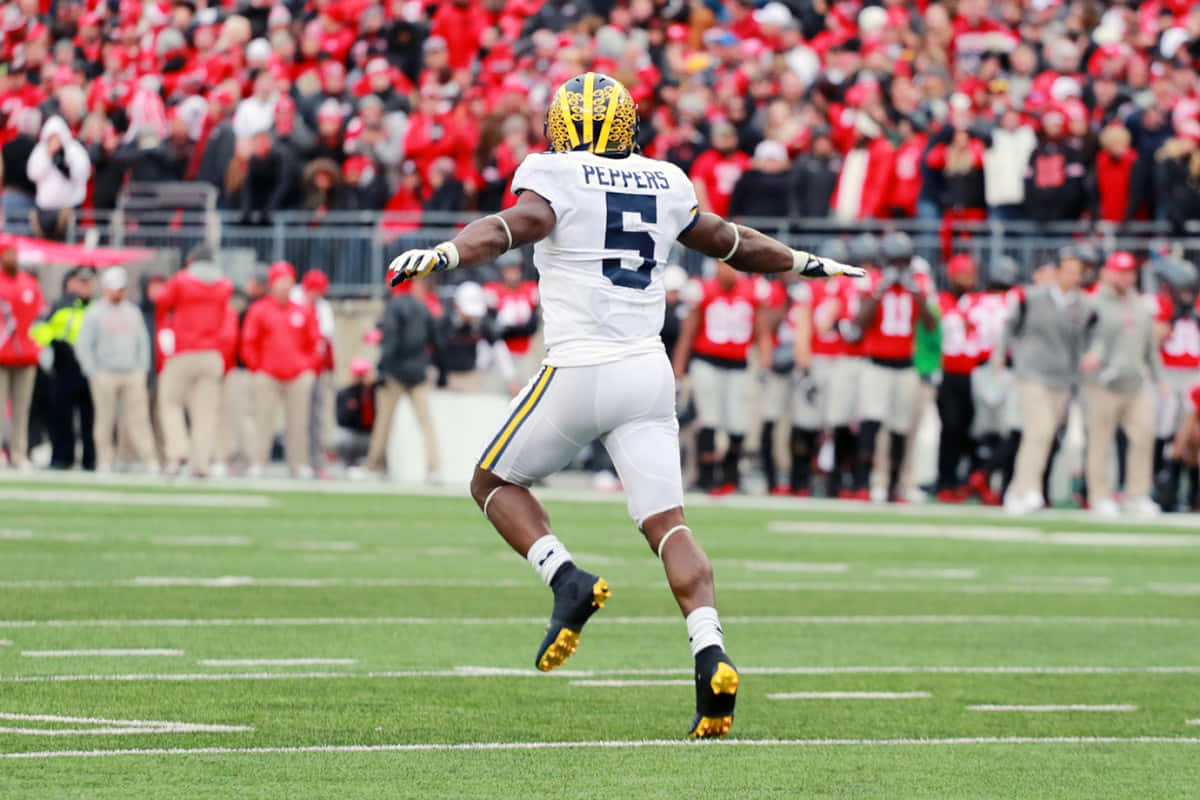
(810, 266)
(415, 263)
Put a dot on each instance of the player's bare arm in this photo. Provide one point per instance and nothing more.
(748, 250)
(484, 240)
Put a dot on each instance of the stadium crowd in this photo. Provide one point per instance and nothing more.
(959, 111)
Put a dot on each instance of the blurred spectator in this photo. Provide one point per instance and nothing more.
(196, 328)
(324, 190)
(1055, 180)
(468, 344)
(408, 336)
(1114, 179)
(20, 304)
(238, 434)
(356, 409)
(311, 292)
(1003, 179)
(864, 185)
(766, 189)
(281, 346)
(1177, 179)
(59, 168)
(17, 199)
(514, 301)
(907, 169)
(267, 180)
(1122, 373)
(115, 354)
(444, 192)
(57, 332)
(1045, 331)
(815, 176)
(716, 171)
(961, 162)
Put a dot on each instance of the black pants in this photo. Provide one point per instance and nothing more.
(957, 411)
(69, 395)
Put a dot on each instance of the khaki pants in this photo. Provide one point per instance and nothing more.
(238, 436)
(1134, 412)
(294, 397)
(386, 398)
(191, 381)
(126, 392)
(1042, 410)
(16, 388)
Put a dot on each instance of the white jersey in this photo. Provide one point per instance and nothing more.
(601, 268)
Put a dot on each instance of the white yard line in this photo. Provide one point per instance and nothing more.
(790, 566)
(619, 684)
(1054, 708)
(1192, 722)
(6, 533)
(277, 662)
(119, 498)
(234, 582)
(635, 743)
(1174, 588)
(333, 546)
(201, 541)
(984, 533)
(102, 653)
(471, 672)
(966, 574)
(111, 727)
(1081, 580)
(864, 619)
(849, 696)
(5, 643)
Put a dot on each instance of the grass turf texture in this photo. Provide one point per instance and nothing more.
(409, 585)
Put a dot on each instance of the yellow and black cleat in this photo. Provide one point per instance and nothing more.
(716, 692)
(577, 595)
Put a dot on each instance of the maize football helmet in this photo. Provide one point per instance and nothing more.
(592, 112)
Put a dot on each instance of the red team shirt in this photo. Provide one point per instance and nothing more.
(719, 174)
(513, 306)
(971, 327)
(727, 320)
(891, 335)
(825, 301)
(1181, 348)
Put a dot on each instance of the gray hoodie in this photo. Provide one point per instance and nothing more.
(113, 338)
(1045, 329)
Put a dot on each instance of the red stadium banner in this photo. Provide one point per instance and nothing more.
(42, 251)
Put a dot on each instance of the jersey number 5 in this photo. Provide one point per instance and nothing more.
(616, 237)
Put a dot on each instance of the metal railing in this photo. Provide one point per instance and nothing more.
(354, 247)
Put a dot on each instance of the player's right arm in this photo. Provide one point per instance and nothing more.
(484, 240)
(748, 250)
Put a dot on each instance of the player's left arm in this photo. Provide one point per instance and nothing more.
(530, 220)
(748, 250)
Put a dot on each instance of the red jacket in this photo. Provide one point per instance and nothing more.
(281, 339)
(195, 311)
(906, 175)
(462, 28)
(876, 189)
(20, 303)
(1112, 176)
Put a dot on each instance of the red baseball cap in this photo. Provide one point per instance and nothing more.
(315, 281)
(960, 264)
(280, 269)
(1121, 261)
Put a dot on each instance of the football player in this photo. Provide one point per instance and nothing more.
(1175, 312)
(887, 316)
(603, 220)
(726, 319)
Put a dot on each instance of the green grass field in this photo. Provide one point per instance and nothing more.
(174, 642)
